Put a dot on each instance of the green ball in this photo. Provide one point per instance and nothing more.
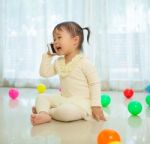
(105, 100)
(134, 107)
(147, 99)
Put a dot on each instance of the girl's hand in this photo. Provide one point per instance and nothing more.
(48, 53)
(97, 113)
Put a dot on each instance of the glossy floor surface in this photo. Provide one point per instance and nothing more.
(15, 126)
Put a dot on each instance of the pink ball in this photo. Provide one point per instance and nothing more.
(59, 89)
(13, 93)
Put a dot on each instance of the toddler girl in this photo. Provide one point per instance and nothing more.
(80, 84)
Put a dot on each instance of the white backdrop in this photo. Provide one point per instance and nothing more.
(119, 44)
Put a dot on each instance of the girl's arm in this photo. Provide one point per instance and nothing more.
(93, 82)
(47, 69)
(95, 90)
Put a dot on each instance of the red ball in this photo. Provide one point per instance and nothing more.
(128, 93)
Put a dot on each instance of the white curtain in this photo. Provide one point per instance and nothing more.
(119, 44)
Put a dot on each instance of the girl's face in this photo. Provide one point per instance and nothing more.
(64, 43)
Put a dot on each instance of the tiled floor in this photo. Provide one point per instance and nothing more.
(15, 126)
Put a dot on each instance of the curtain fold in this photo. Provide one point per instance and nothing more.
(119, 43)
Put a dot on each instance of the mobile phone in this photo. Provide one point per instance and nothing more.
(51, 48)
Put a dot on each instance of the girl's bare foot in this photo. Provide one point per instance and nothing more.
(40, 118)
(34, 110)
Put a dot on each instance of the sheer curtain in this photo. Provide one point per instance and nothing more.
(119, 44)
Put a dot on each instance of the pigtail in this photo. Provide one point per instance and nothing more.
(89, 32)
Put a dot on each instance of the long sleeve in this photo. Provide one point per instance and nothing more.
(47, 68)
(93, 82)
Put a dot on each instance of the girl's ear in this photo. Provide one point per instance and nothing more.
(75, 40)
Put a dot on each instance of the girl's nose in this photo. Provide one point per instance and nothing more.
(55, 43)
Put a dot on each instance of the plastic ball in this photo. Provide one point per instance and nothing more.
(134, 107)
(147, 99)
(148, 89)
(128, 93)
(108, 135)
(115, 142)
(13, 93)
(105, 100)
(59, 89)
(41, 88)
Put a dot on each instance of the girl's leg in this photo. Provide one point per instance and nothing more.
(42, 103)
(67, 112)
(41, 113)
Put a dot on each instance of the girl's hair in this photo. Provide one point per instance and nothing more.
(75, 30)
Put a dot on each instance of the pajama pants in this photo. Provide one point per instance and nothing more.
(63, 108)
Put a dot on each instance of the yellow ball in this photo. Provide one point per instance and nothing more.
(41, 88)
(115, 142)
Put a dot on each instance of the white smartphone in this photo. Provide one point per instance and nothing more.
(51, 48)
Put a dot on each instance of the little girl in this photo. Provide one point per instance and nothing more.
(80, 85)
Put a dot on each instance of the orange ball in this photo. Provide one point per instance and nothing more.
(108, 135)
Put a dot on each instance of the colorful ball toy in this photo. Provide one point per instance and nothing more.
(107, 136)
(134, 107)
(147, 99)
(128, 93)
(41, 88)
(13, 93)
(148, 89)
(115, 142)
(59, 89)
(105, 100)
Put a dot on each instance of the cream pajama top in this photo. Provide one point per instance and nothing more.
(79, 80)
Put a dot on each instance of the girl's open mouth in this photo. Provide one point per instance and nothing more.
(58, 48)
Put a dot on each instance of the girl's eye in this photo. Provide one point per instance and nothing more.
(59, 37)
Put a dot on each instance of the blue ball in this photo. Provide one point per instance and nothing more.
(148, 88)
